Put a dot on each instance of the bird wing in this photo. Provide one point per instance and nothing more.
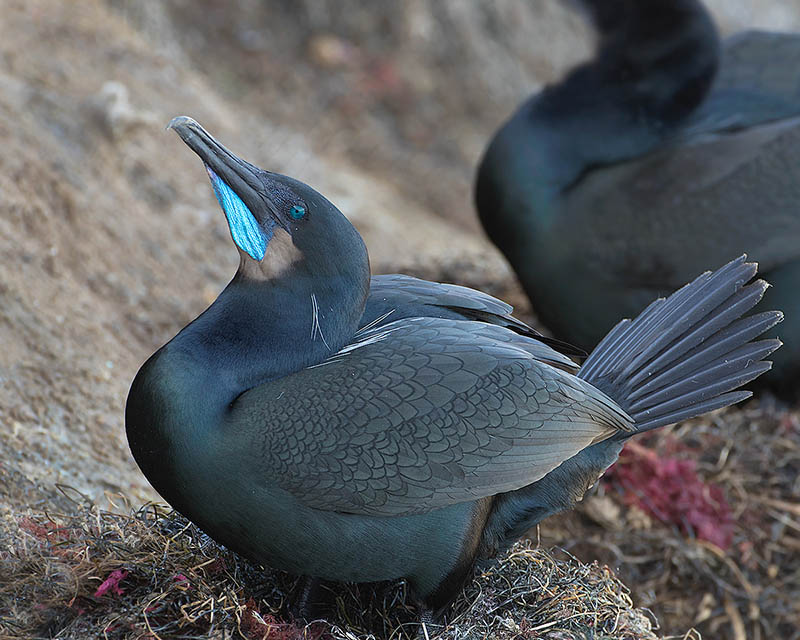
(400, 287)
(395, 296)
(757, 83)
(419, 414)
(655, 222)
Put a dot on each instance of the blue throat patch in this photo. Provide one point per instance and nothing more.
(248, 235)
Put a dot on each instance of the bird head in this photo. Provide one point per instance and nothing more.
(277, 223)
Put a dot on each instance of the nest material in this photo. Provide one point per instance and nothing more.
(744, 585)
(152, 574)
(158, 576)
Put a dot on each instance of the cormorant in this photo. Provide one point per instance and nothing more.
(665, 153)
(350, 429)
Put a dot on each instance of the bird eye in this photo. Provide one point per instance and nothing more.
(297, 212)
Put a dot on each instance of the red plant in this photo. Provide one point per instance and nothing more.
(53, 535)
(112, 584)
(267, 627)
(49, 530)
(181, 582)
(670, 490)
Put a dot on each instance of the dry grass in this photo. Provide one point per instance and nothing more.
(152, 574)
(86, 572)
(747, 591)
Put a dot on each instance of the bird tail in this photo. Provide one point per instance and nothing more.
(689, 353)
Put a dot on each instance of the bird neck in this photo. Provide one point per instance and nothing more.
(646, 78)
(262, 330)
(253, 332)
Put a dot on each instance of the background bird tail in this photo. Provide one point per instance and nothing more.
(689, 353)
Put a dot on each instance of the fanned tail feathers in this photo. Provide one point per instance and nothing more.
(689, 353)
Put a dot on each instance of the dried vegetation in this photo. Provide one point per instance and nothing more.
(150, 573)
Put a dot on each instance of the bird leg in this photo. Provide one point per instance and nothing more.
(313, 600)
(426, 620)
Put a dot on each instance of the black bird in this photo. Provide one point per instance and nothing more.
(350, 429)
(665, 153)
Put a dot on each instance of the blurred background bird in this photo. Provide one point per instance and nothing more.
(667, 150)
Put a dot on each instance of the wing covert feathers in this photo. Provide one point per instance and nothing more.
(419, 414)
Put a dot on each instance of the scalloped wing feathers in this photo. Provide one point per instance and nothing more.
(429, 413)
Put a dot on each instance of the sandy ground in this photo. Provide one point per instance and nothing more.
(110, 238)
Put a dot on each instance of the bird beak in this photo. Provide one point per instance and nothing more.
(239, 175)
(237, 185)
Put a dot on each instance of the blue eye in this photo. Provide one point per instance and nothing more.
(297, 212)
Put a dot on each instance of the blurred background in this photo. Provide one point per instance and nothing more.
(111, 240)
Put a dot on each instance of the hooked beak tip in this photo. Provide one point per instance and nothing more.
(181, 121)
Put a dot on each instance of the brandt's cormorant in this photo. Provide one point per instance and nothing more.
(665, 153)
(354, 430)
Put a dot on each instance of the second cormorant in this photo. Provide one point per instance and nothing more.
(665, 153)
